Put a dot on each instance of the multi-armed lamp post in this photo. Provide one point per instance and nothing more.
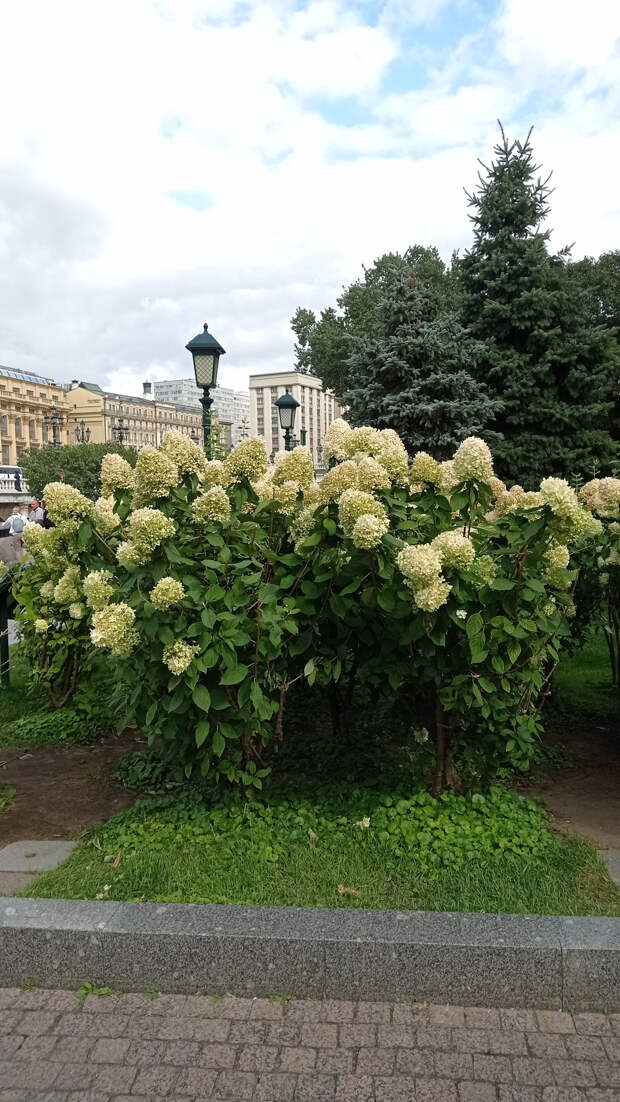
(206, 352)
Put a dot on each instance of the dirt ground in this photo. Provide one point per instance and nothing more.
(62, 790)
(585, 798)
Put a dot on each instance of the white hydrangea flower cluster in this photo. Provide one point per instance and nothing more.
(602, 496)
(371, 474)
(368, 531)
(456, 550)
(112, 629)
(303, 523)
(364, 439)
(559, 496)
(354, 504)
(116, 474)
(106, 520)
(447, 477)
(147, 529)
(294, 466)
(182, 450)
(395, 459)
(285, 496)
(421, 567)
(177, 656)
(573, 521)
(97, 589)
(424, 468)
(247, 460)
(65, 503)
(47, 589)
(212, 506)
(558, 558)
(484, 570)
(473, 461)
(335, 441)
(41, 626)
(77, 610)
(337, 480)
(68, 589)
(312, 494)
(166, 593)
(154, 476)
(215, 473)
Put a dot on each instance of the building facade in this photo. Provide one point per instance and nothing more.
(25, 399)
(230, 407)
(142, 420)
(317, 409)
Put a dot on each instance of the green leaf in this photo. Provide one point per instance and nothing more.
(172, 552)
(202, 730)
(202, 697)
(150, 715)
(474, 625)
(502, 583)
(219, 743)
(385, 600)
(234, 675)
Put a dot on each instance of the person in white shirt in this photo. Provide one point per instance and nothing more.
(16, 522)
(35, 516)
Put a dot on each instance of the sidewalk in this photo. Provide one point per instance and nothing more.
(184, 1048)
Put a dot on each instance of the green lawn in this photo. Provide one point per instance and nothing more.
(582, 683)
(490, 853)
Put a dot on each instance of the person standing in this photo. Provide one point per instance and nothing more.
(35, 516)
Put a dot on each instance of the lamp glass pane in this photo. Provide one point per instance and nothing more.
(204, 369)
(287, 416)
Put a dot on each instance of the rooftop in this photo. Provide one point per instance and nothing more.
(26, 376)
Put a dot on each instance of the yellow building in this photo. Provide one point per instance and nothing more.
(25, 399)
(122, 417)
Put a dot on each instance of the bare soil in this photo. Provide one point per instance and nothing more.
(62, 790)
(585, 797)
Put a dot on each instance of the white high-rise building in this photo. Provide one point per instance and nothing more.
(231, 407)
(317, 409)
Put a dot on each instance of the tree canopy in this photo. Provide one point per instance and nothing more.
(77, 464)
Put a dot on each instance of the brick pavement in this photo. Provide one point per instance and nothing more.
(122, 1048)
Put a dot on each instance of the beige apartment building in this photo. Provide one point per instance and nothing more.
(25, 399)
(317, 409)
(140, 420)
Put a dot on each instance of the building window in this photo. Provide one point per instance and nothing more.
(4, 426)
(6, 454)
(16, 390)
(43, 396)
(32, 430)
(44, 434)
(19, 431)
(30, 393)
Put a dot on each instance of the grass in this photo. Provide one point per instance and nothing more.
(6, 796)
(582, 683)
(162, 851)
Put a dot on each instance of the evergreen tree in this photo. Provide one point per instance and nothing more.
(551, 367)
(325, 343)
(415, 375)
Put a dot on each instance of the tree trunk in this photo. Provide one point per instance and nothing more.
(446, 775)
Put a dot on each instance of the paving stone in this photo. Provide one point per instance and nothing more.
(235, 1084)
(8, 996)
(182, 1053)
(72, 1050)
(401, 1036)
(268, 1010)
(354, 1036)
(315, 1088)
(416, 1061)
(480, 1017)
(455, 1065)
(376, 1061)
(218, 1056)
(612, 1048)
(146, 1052)
(585, 1048)
(276, 1087)
(10, 1043)
(259, 1058)
(297, 1059)
(530, 1070)
(11, 883)
(335, 1061)
(355, 1088)
(75, 1076)
(555, 1021)
(446, 1015)
(114, 1078)
(239, 1009)
(435, 1090)
(596, 1024)
(36, 1022)
(196, 1081)
(548, 1044)
(380, 1013)
(36, 1048)
(518, 1092)
(34, 856)
(155, 1081)
(477, 1092)
(492, 1069)
(563, 1094)
(607, 1074)
(277, 1034)
(522, 1021)
(319, 1035)
(110, 1050)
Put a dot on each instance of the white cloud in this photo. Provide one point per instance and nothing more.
(110, 108)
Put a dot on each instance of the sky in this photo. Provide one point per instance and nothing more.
(169, 162)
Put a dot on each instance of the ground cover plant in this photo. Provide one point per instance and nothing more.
(339, 847)
(228, 583)
(6, 796)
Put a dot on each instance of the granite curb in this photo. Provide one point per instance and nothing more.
(472, 959)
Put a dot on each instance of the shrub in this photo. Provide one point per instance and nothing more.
(214, 587)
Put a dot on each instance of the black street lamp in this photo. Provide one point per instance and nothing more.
(120, 432)
(287, 408)
(54, 420)
(82, 434)
(206, 352)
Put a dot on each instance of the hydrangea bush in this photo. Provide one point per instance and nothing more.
(216, 585)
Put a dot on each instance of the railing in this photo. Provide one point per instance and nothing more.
(12, 484)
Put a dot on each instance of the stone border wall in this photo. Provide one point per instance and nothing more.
(471, 959)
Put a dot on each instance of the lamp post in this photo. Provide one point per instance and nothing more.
(206, 352)
(287, 408)
(82, 434)
(120, 431)
(54, 420)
